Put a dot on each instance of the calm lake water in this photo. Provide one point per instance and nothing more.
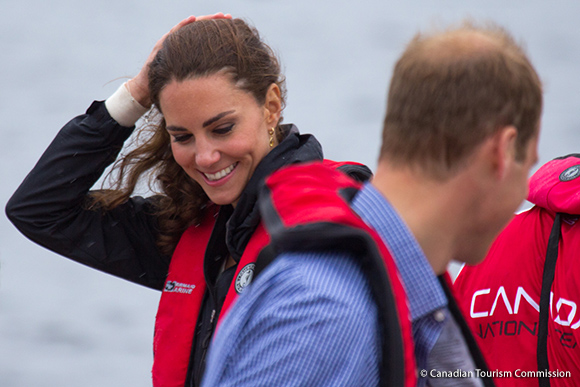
(62, 324)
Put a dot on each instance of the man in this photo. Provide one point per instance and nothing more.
(459, 138)
(521, 302)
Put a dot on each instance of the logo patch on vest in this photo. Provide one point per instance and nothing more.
(244, 277)
(178, 287)
(570, 173)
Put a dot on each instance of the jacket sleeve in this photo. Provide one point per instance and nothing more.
(48, 207)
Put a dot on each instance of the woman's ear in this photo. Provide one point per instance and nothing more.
(273, 105)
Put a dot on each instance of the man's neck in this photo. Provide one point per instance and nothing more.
(435, 211)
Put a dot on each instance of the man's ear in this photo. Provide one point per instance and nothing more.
(504, 150)
(273, 105)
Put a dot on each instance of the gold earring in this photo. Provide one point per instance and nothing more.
(271, 133)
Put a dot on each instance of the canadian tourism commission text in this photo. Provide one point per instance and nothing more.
(477, 373)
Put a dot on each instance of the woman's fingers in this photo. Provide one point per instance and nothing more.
(139, 85)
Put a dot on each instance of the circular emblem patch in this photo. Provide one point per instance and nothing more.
(244, 277)
(570, 173)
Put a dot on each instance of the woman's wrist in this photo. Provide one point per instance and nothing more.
(124, 107)
(138, 92)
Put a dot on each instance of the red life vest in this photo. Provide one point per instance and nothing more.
(306, 208)
(500, 297)
(182, 296)
(185, 286)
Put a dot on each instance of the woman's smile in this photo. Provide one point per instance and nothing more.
(220, 175)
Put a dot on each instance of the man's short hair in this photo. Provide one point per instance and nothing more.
(453, 89)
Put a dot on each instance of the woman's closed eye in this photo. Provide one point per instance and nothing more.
(223, 129)
(181, 137)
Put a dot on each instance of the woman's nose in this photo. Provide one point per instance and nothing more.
(206, 154)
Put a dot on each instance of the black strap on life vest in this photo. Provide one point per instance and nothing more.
(472, 346)
(547, 280)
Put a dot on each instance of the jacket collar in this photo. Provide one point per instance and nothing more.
(294, 148)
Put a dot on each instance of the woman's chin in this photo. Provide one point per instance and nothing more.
(223, 200)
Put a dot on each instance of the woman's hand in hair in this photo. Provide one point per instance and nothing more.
(139, 85)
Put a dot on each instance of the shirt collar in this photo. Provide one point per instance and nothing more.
(423, 289)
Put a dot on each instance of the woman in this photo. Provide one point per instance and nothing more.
(220, 95)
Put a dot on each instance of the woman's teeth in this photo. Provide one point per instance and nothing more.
(221, 174)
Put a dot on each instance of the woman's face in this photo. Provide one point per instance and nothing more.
(219, 133)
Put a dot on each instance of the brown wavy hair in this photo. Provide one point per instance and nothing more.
(199, 49)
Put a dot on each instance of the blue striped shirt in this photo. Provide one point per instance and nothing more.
(427, 301)
(309, 319)
(306, 321)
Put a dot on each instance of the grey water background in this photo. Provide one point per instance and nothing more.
(62, 324)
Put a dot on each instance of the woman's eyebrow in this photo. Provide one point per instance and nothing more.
(217, 117)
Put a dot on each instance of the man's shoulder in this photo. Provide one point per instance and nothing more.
(299, 323)
(330, 275)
